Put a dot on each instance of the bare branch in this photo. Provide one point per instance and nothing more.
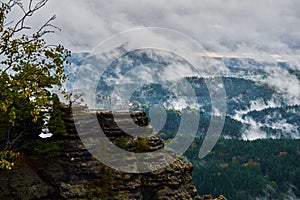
(20, 25)
(21, 6)
(30, 4)
(9, 23)
(17, 138)
(32, 8)
(42, 32)
(39, 4)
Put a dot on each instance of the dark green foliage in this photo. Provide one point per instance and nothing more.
(49, 149)
(56, 124)
(248, 169)
(122, 143)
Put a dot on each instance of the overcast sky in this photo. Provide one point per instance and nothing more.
(272, 26)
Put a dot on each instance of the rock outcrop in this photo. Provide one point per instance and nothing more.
(76, 174)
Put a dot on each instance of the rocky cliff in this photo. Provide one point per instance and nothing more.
(76, 174)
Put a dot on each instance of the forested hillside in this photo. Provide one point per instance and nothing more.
(248, 169)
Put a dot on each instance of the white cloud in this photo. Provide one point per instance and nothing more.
(270, 25)
(285, 84)
(253, 132)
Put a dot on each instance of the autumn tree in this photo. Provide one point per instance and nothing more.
(29, 68)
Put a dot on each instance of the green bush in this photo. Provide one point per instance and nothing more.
(142, 145)
(51, 149)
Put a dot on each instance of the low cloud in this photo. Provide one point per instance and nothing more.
(287, 85)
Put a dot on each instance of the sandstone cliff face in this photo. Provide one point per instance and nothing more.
(75, 174)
